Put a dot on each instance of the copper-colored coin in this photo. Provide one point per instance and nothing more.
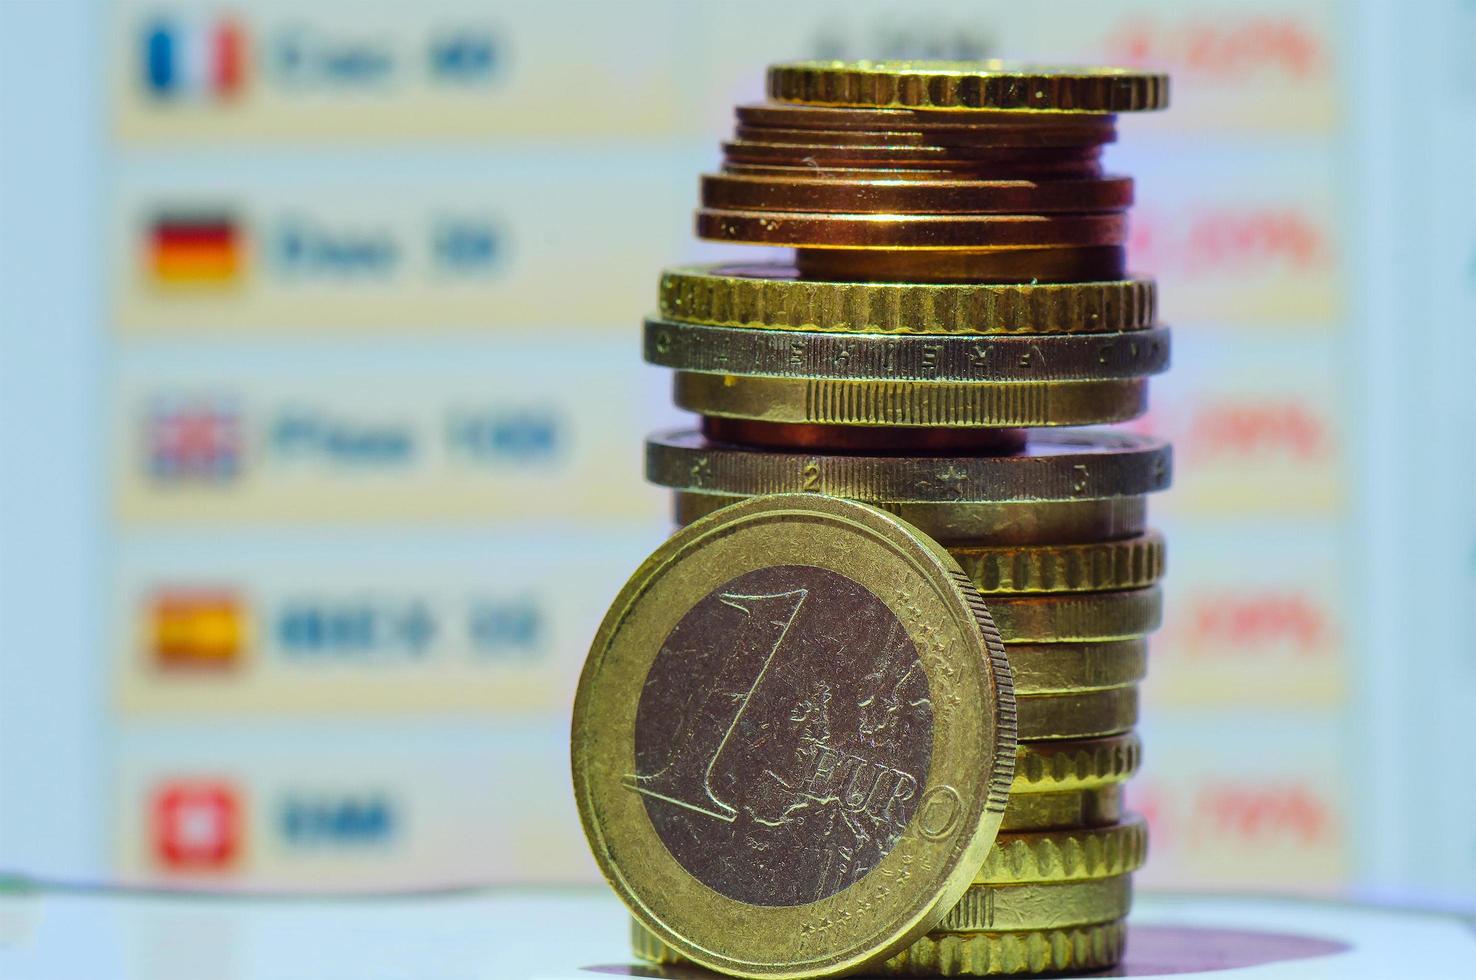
(737, 192)
(959, 138)
(968, 359)
(865, 439)
(1069, 264)
(977, 162)
(944, 128)
(813, 229)
(1036, 522)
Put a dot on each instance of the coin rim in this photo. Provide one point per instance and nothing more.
(1095, 566)
(985, 84)
(713, 294)
(1079, 902)
(879, 195)
(824, 229)
(804, 355)
(1067, 853)
(981, 682)
(1134, 465)
(924, 404)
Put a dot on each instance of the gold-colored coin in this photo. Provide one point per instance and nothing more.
(1049, 768)
(777, 670)
(1040, 905)
(1109, 711)
(952, 954)
(1078, 617)
(985, 84)
(1014, 403)
(979, 954)
(1024, 523)
(1072, 854)
(1129, 563)
(815, 355)
(770, 297)
(1066, 668)
(1099, 807)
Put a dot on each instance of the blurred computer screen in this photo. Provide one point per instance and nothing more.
(322, 411)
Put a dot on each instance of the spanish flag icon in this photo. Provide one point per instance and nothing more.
(197, 629)
(195, 249)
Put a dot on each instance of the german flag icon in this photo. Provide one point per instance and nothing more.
(197, 249)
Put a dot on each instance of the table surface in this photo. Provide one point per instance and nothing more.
(511, 934)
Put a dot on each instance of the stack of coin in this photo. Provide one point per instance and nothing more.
(956, 302)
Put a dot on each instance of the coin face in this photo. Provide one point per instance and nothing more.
(783, 734)
(794, 737)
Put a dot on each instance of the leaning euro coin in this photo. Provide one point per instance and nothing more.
(794, 738)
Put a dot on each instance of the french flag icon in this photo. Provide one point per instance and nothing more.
(194, 60)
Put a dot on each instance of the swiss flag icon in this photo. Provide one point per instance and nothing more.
(197, 825)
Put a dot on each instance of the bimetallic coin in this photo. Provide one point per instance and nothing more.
(1076, 617)
(1072, 854)
(770, 296)
(1085, 714)
(1041, 905)
(814, 229)
(751, 192)
(1009, 404)
(1054, 767)
(1099, 807)
(1129, 563)
(972, 954)
(793, 738)
(1055, 466)
(984, 84)
(814, 355)
(1027, 523)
